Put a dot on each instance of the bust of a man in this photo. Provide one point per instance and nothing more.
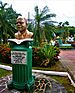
(22, 29)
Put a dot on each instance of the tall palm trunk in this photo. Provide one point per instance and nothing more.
(38, 32)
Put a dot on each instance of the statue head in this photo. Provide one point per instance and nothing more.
(21, 24)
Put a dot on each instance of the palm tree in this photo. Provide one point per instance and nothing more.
(40, 18)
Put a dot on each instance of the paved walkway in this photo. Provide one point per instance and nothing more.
(68, 61)
(43, 84)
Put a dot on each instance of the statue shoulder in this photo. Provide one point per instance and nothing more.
(16, 33)
(30, 33)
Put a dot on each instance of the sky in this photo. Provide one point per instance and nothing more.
(64, 9)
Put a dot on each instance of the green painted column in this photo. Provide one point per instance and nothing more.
(21, 59)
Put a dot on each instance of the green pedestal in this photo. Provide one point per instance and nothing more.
(21, 59)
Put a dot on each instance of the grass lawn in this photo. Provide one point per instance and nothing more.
(65, 82)
(58, 67)
(4, 72)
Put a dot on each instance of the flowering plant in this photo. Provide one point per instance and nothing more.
(5, 53)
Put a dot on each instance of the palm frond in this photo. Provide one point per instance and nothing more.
(48, 16)
(45, 10)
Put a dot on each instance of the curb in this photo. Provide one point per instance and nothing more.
(44, 72)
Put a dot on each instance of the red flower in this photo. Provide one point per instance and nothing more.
(3, 53)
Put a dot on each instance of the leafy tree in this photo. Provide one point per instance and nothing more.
(66, 23)
(7, 21)
(62, 30)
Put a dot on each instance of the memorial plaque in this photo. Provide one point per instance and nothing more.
(18, 57)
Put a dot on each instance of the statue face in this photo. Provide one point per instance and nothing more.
(21, 24)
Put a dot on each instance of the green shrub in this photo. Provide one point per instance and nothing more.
(37, 56)
(45, 56)
(5, 53)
